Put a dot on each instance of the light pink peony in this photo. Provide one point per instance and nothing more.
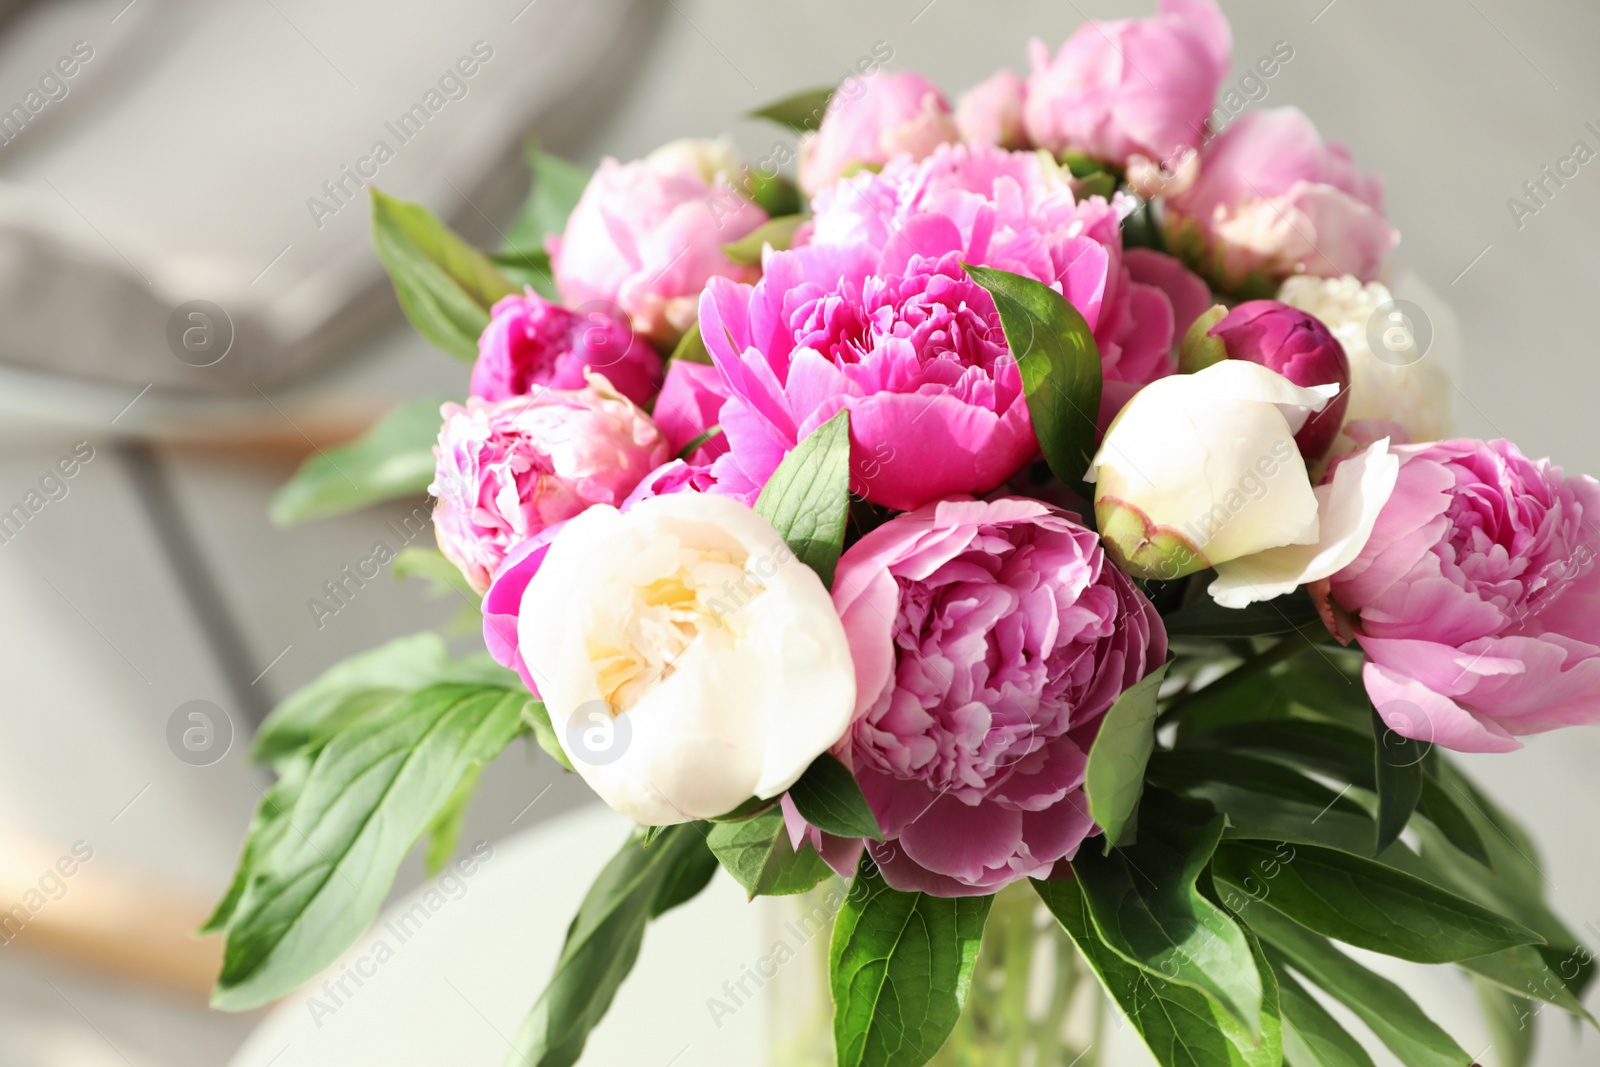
(989, 638)
(507, 469)
(891, 114)
(1273, 200)
(991, 111)
(1130, 86)
(1477, 598)
(532, 344)
(1015, 211)
(646, 236)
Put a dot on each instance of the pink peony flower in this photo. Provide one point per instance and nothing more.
(1130, 86)
(689, 405)
(892, 114)
(991, 111)
(1298, 346)
(1015, 211)
(508, 469)
(1477, 598)
(1273, 200)
(532, 344)
(646, 236)
(989, 638)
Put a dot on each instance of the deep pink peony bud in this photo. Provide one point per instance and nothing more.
(532, 344)
(1282, 339)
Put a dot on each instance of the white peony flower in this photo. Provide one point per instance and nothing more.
(1413, 395)
(687, 659)
(1201, 468)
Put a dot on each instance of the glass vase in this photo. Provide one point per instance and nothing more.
(1033, 1002)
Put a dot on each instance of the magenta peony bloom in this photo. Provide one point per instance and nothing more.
(646, 236)
(507, 469)
(1015, 211)
(989, 638)
(1130, 86)
(1298, 346)
(689, 405)
(1273, 200)
(902, 338)
(991, 111)
(1477, 598)
(888, 115)
(532, 344)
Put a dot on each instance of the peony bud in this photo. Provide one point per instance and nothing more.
(532, 344)
(870, 123)
(1282, 339)
(991, 111)
(1202, 468)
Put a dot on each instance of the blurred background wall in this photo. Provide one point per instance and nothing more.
(177, 167)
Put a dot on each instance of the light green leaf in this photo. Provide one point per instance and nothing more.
(1181, 1026)
(900, 965)
(403, 664)
(800, 111)
(1147, 907)
(1060, 363)
(536, 717)
(1524, 973)
(807, 499)
(829, 798)
(556, 187)
(756, 851)
(394, 458)
(1115, 775)
(1511, 1022)
(269, 823)
(446, 829)
(371, 794)
(779, 233)
(1369, 904)
(1386, 1009)
(1311, 1036)
(431, 565)
(530, 268)
(445, 286)
(603, 941)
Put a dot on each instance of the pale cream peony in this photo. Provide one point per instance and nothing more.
(687, 659)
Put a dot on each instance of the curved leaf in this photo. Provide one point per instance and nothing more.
(1114, 777)
(798, 111)
(757, 852)
(829, 798)
(807, 499)
(393, 458)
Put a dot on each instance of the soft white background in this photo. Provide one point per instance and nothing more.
(1455, 102)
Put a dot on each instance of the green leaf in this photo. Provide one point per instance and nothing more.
(393, 458)
(807, 499)
(445, 286)
(772, 193)
(536, 717)
(603, 942)
(1311, 1036)
(1371, 905)
(371, 794)
(1184, 770)
(1511, 1023)
(801, 111)
(269, 823)
(1441, 809)
(1398, 768)
(1204, 617)
(1386, 1009)
(900, 965)
(1181, 1026)
(1115, 774)
(556, 187)
(756, 851)
(1523, 972)
(779, 233)
(446, 829)
(829, 798)
(1060, 365)
(530, 268)
(402, 664)
(1147, 907)
(431, 565)
(692, 347)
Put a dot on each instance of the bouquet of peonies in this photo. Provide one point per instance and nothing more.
(1040, 500)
